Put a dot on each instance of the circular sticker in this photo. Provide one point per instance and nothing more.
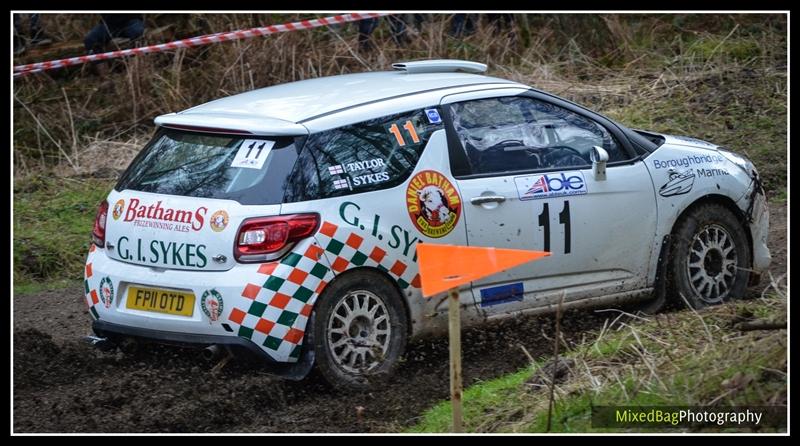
(211, 304)
(118, 207)
(219, 220)
(106, 289)
(433, 203)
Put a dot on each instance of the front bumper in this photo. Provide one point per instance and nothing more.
(759, 230)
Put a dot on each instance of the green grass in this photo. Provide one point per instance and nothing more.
(27, 287)
(749, 119)
(686, 367)
(53, 220)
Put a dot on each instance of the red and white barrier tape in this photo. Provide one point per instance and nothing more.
(21, 70)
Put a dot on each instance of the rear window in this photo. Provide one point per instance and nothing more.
(249, 170)
(371, 155)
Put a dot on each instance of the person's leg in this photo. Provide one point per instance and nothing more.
(133, 30)
(35, 25)
(19, 44)
(457, 25)
(365, 29)
(38, 37)
(97, 38)
(399, 29)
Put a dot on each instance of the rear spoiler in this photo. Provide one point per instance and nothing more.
(229, 123)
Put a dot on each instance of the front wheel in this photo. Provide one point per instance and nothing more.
(361, 329)
(710, 257)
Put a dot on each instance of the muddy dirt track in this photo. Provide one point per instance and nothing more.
(63, 385)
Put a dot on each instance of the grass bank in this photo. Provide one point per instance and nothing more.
(53, 220)
(682, 358)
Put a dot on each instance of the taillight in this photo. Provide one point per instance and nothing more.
(267, 238)
(99, 231)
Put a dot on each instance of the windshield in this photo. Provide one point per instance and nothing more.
(250, 170)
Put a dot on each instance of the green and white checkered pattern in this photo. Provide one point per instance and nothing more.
(347, 249)
(281, 299)
(283, 294)
(90, 292)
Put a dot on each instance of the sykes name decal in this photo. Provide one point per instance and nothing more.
(166, 218)
(548, 185)
(158, 252)
(358, 180)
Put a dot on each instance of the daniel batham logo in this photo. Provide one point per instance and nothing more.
(548, 185)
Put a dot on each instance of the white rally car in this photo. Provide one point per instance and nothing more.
(284, 222)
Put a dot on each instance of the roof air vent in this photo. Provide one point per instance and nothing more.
(440, 66)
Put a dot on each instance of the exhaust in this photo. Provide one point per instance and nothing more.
(212, 352)
(103, 344)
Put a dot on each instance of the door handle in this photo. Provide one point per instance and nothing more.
(483, 199)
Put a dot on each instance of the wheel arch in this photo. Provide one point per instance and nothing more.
(724, 201)
(392, 280)
(719, 199)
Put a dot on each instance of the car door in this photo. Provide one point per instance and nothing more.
(522, 164)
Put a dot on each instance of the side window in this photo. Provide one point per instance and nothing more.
(371, 155)
(519, 133)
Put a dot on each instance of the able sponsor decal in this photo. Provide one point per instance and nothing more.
(158, 252)
(119, 206)
(548, 185)
(433, 203)
(211, 303)
(160, 217)
(219, 220)
(688, 161)
(679, 183)
(106, 291)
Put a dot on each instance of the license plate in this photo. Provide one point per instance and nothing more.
(159, 300)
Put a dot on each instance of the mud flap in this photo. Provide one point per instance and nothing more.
(660, 291)
(300, 369)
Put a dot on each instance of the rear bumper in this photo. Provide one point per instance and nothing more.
(236, 344)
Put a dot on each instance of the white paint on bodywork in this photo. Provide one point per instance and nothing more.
(681, 154)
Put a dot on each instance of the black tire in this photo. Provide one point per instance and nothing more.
(713, 240)
(374, 355)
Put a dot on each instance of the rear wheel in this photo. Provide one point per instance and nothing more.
(709, 258)
(361, 329)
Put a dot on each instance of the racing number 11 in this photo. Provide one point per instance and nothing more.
(563, 218)
(412, 132)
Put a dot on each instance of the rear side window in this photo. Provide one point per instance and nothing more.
(251, 171)
(371, 155)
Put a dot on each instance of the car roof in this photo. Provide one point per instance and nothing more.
(285, 107)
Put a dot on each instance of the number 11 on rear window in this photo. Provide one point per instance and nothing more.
(394, 129)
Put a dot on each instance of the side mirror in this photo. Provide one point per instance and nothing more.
(599, 158)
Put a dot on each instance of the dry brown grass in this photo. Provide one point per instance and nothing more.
(61, 118)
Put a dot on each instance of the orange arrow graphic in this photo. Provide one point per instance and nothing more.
(443, 267)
